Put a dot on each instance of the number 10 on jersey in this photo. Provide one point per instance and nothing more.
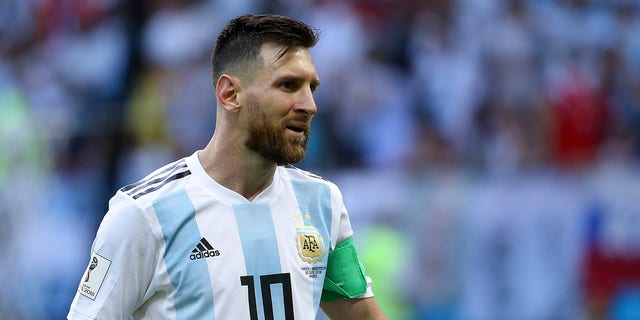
(265, 287)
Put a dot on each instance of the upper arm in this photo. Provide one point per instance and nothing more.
(358, 308)
(124, 252)
(345, 271)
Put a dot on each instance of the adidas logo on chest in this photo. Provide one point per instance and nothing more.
(203, 250)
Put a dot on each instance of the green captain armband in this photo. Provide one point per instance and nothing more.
(345, 277)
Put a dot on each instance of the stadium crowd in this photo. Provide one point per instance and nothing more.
(488, 151)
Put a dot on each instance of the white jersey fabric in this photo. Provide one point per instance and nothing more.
(178, 245)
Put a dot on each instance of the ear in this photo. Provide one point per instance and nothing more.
(227, 88)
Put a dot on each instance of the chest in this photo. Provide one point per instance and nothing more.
(253, 258)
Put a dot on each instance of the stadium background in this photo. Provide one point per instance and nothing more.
(487, 150)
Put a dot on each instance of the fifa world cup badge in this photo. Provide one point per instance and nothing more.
(94, 276)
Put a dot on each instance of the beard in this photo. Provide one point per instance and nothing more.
(270, 140)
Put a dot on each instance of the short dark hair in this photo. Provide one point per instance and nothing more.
(240, 41)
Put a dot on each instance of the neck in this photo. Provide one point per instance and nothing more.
(237, 168)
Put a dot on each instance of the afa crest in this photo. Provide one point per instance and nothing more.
(311, 247)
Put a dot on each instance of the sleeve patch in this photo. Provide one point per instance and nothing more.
(94, 276)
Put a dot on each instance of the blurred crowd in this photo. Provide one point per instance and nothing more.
(488, 151)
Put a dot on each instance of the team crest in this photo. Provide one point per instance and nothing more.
(311, 247)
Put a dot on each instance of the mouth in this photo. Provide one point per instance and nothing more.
(296, 130)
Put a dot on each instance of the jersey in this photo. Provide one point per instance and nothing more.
(178, 245)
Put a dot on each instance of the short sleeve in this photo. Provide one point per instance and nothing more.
(342, 223)
(346, 276)
(122, 264)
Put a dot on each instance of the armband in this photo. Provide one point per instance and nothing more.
(345, 277)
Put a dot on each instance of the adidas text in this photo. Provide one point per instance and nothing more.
(204, 254)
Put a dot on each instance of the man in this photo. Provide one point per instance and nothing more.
(234, 231)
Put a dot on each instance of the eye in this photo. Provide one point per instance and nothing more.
(289, 85)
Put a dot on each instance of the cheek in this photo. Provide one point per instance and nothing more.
(278, 104)
(274, 107)
(276, 116)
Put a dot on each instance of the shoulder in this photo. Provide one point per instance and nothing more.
(130, 220)
(297, 175)
(158, 182)
(295, 172)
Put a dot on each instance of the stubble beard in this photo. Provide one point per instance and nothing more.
(271, 141)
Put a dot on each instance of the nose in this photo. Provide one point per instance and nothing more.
(307, 103)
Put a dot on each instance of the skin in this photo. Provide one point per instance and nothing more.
(349, 309)
(282, 90)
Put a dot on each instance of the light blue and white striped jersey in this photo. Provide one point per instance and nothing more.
(178, 245)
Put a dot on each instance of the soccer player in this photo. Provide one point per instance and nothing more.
(234, 231)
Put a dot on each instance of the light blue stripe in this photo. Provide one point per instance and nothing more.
(260, 249)
(193, 298)
(315, 198)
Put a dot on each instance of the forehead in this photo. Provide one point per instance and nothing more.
(296, 62)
